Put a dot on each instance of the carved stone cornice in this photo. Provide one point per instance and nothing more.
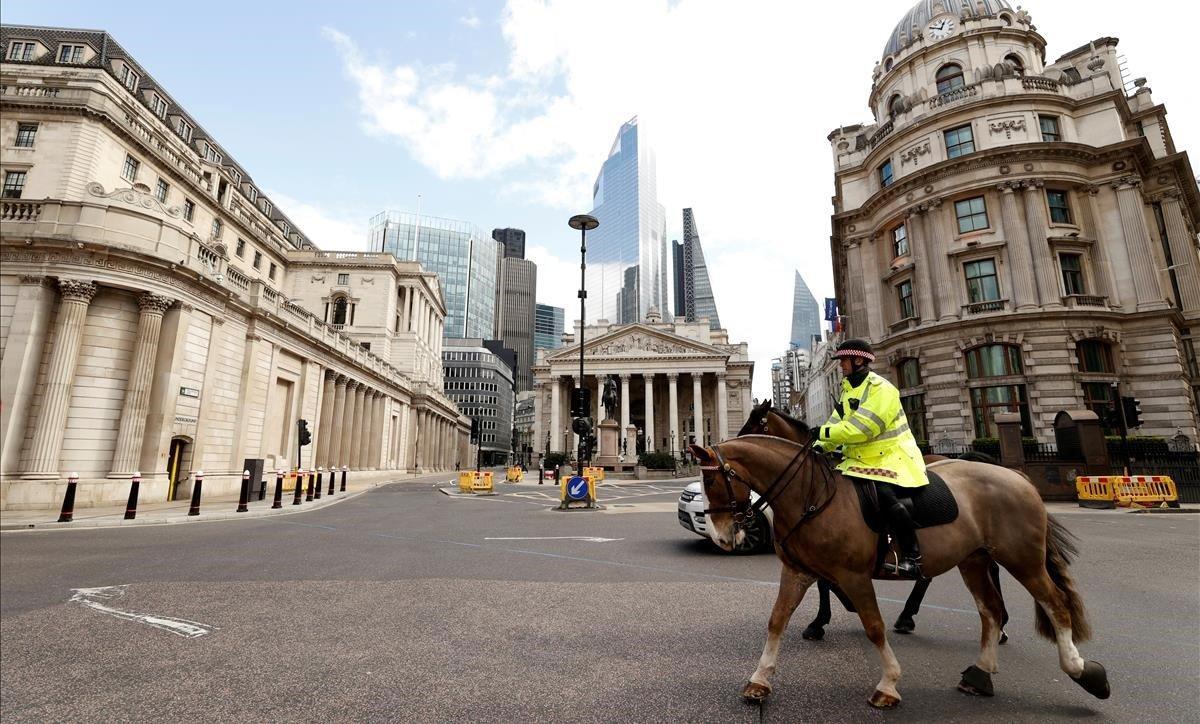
(1126, 182)
(77, 290)
(33, 280)
(134, 197)
(1007, 126)
(153, 303)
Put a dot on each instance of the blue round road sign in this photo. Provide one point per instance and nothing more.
(577, 488)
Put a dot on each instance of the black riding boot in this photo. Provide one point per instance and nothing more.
(901, 525)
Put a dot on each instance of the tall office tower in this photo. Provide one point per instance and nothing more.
(516, 297)
(513, 240)
(466, 262)
(693, 293)
(806, 315)
(547, 327)
(627, 255)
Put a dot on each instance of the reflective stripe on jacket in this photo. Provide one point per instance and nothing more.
(874, 435)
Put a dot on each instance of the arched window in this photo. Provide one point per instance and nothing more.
(339, 310)
(887, 64)
(1017, 64)
(896, 105)
(949, 77)
(996, 360)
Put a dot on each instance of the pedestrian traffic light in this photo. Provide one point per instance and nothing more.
(1133, 411)
(581, 401)
(305, 437)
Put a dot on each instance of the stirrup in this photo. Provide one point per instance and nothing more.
(909, 568)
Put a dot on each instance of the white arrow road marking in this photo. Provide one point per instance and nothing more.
(177, 626)
(587, 538)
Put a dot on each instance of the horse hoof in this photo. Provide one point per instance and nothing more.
(1094, 680)
(1003, 637)
(976, 682)
(904, 625)
(880, 700)
(813, 633)
(755, 693)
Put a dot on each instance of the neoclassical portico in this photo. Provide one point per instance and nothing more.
(679, 383)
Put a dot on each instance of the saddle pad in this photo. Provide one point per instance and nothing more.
(932, 504)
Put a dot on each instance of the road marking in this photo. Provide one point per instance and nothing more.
(588, 538)
(177, 626)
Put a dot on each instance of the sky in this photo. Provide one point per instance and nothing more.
(502, 113)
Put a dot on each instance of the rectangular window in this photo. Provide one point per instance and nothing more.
(885, 174)
(981, 281)
(130, 171)
(900, 240)
(271, 272)
(252, 193)
(160, 191)
(26, 132)
(189, 209)
(343, 279)
(287, 229)
(266, 207)
(972, 214)
(158, 105)
(216, 229)
(240, 249)
(70, 53)
(1060, 210)
(211, 154)
(904, 294)
(1049, 127)
(257, 259)
(14, 184)
(20, 51)
(914, 411)
(130, 79)
(959, 142)
(987, 401)
(184, 129)
(1072, 273)
(1099, 398)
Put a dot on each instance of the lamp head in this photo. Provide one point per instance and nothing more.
(583, 221)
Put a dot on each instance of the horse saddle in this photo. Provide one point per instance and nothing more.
(929, 505)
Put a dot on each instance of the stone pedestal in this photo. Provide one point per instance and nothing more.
(630, 444)
(610, 443)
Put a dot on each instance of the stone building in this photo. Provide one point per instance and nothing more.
(679, 382)
(159, 314)
(1016, 235)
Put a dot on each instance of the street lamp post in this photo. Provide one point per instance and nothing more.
(584, 223)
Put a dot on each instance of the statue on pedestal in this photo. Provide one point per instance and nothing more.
(609, 398)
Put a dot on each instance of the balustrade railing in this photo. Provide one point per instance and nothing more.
(953, 96)
(1085, 300)
(1033, 82)
(20, 211)
(882, 132)
(993, 305)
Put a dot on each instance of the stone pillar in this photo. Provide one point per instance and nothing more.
(1141, 259)
(1045, 265)
(538, 411)
(1020, 262)
(360, 428)
(649, 412)
(1106, 285)
(1183, 253)
(325, 420)
(624, 402)
(403, 456)
(555, 413)
(698, 405)
(673, 404)
(347, 430)
(856, 307)
(333, 455)
(722, 409)
(128, 451)
(418, 437)
(597, 399)
(21, 363)
(920, 252)
(377, 414)
(937, 244)
(45, 449)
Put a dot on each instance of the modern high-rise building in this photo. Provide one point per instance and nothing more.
(627, 254)
(547, 327)
(515, 299)
(806, 315)
(693, 293)
(479, 380)
(466, 261)
(513, 240)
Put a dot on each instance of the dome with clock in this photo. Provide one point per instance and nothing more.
(939, 19)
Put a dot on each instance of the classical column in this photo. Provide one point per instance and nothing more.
(333, 454)
(33, 307)
(419, 434)
(1044, 264)
(916, 238)
(555, 412)
(856, 305)
(673, 404)
(1137, 239)
(345, 456)
(360, 429)
(698, 406)
(937, 244)
(538, 411)
(722, 409)
(1106, 285)
(376, 448)
(649, 412)
(1020, 262)
(128, 451)
(597, 398)
(60, 374)
(624, 403)
(325, 421)
(402, 454)
(1183, 252)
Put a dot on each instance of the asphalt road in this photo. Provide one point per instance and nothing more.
(406, 604)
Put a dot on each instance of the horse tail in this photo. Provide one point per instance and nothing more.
(1061, 549)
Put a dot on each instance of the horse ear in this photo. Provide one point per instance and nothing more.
(701, 454)
(764, 407)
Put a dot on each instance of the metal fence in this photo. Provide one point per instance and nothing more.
(1181, 467)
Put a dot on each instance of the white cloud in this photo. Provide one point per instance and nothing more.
(329, 230)
(471, 21)
(557, 282)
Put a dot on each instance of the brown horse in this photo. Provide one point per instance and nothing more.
(820, 533)
(764, 420)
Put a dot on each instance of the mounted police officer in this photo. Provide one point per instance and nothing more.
(872, 431)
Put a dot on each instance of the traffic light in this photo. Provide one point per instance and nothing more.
(1133, 411)
(581, 401)
(582, 426)
(305, 437)
(474, 430)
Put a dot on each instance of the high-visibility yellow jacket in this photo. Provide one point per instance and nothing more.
(873, 431)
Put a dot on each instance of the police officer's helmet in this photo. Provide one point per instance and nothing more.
(856, 348)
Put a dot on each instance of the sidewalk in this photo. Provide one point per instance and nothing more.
(215, 508)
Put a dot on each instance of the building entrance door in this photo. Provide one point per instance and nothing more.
(174, 466)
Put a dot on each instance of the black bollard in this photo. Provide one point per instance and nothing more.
(278, 502)
(344, 469)
(320, 483)
(308, 494)
(196, 487)
(68, 509)
(244, 495)
(299, 487)
(332, 475)
(131, 507)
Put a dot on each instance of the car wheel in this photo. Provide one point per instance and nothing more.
(758, 535)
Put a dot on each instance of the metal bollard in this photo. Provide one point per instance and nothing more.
(244, 495)
(68, 509)
(131, 507)
(320, 483)
(278, 502)
(308, 495)
(299, 487)
(344, 469)
(332, 475)
(196, 487)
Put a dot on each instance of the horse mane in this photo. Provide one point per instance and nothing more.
(800, 425)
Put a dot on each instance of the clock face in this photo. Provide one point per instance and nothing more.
(941, 29)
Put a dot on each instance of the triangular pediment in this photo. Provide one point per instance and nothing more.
(633, 341)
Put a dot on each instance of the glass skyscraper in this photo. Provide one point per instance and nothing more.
(806, 315)
(693, 292)
(461, 254)
(547, 327)
(627, 267)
